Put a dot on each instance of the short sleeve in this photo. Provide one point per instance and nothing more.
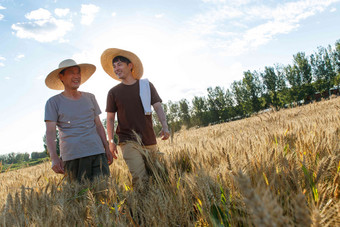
(97, 110)
(111, 106)
(154, 95)
(51, 110)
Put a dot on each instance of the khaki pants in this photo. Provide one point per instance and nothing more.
(132, 154)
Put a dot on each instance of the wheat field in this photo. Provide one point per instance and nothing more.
(273, 169)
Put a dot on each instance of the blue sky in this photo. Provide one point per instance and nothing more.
(185, 46)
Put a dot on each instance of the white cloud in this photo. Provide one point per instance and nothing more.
(291, 11)
(19, 57)
(1, 15)
(209, 22)
(230, 2)
(61, 12)
(88, 13)
(39, 14)
(213, 1)
(252, 25)
(159, 15)
(332, 10)
(2, 59)
(114, 14)
(7, 78)
(42, 27)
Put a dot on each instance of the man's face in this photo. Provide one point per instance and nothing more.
(122, 70)
(71, 77)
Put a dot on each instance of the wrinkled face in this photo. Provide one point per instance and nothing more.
(71, 77)
(122, 70)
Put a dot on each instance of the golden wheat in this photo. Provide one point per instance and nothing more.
(274, 169)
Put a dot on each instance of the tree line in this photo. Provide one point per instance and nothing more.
(17, 158)
(307, 79)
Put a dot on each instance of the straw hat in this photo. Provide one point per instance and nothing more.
(52, 80)
(109, 54)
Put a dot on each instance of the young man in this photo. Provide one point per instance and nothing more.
(134, 121)
(83, 146)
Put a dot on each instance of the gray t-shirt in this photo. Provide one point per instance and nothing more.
(75, 121)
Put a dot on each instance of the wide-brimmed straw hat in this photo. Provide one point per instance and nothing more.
(109, 54)
(52, 80)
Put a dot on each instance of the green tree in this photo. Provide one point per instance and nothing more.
(11, 158)
(295, 83)
(216, 103)
(323, 68)
(199, 112)
(21, 157)
(229, 112)
(336, 63)
(240, 95)
(274, 83)
(303, 70)
(38, 155)
(172, 116)
(184, 112)
(283, 92)
(253, 87)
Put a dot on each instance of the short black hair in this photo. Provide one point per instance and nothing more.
(122, 59)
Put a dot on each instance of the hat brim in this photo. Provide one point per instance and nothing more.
(52, 80)
(109, 54)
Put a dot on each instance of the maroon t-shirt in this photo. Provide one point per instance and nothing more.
(125, 100)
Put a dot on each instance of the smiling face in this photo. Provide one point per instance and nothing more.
(71, 77)
(122, 69)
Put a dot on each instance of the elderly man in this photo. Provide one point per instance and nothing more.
(84, 149)
(131, 100)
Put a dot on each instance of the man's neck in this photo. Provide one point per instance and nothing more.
(72, 94)
(129, 80)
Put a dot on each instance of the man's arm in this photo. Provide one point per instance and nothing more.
(161, 116)
(102, 135)
(51, 135)
(110, 123)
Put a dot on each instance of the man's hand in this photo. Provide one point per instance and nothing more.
(58, 165)
(165, 134)
(113, 150)
(109, 156)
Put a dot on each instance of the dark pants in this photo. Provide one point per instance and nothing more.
(87, 167)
